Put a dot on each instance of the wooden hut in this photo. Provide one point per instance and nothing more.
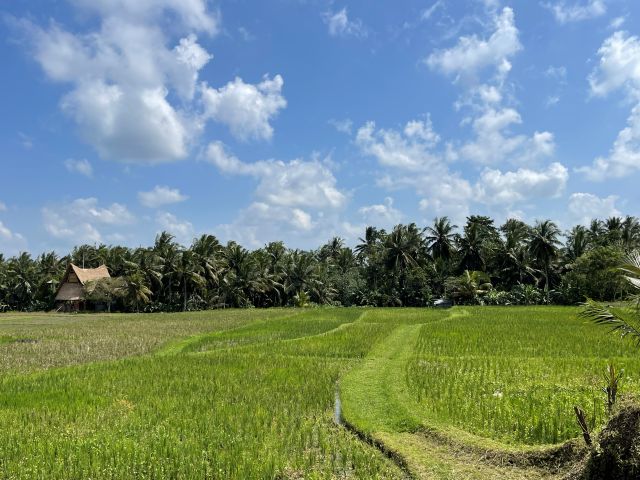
(70, 294)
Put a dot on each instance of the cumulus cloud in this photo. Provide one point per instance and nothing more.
(121, 76)
(576, 12)
(494, 143)
(82, 167)
(382, 214)
(190, 13)
(497, 188)
(411, 149)
(584, 207)
(473, 54)
(135, 93)
(619, 66)
(298, 199)
(618, 69)
(297, 183)
(181, 229)
(78, 220)
(161, 195)
(245, 108)
(624, 156)
(411, 160)
(339, 25)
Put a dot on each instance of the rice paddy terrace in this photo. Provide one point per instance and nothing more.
(473, 392)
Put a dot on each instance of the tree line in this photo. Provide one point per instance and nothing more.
(479, 262)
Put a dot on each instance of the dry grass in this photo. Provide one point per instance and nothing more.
(35, 341)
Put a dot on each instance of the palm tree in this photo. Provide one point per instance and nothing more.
(136, 290)
(544, 244)
(148, 263)
(630, 235)
(208, 256)
(441, 238)
(577, 242)
(614, 227)
(367, 245)
(168, 250)
(22, 279)
(188, 273)
(302, 274)
(625, 321)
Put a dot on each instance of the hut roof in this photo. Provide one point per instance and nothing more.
(88, 274)
(69, 291)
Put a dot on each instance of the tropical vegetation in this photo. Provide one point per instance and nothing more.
(479, 263)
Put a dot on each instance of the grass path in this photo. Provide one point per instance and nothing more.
(376, 402)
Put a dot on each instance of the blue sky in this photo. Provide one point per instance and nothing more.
(301, 120)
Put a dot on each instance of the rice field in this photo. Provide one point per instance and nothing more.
(515, 375)
(250, 393)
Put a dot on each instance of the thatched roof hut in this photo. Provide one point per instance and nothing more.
(75, 278)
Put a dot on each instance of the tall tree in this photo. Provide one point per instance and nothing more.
(544, 246)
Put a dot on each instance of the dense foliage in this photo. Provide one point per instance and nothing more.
(514, 263)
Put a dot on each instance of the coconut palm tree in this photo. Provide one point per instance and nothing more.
(543, 246)
(137, 291)
(188, 273)
(441, 238)
(577, 243)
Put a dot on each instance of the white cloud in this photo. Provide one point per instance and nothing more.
(76, 220)
(192, 14)
(298, 200)
(342, 126)
(296, 183)
(584, 207)
(82, 167)
(11, 242)
(428, 12)
(472, 54)
(340, 26)
(3, 207)
(557, 73)
(382, 215)
(497, 188)
(624, 156)
(619, 68)
(576, 12)
(412, 161)
(161, 195)
(494, 142)
(125, 74)
(5, 232)
(182, 229)
(411, 149)
(245, 108)
(617, 22)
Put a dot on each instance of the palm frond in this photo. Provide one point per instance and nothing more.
(619, 320)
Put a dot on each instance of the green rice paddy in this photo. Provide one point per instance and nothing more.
(242, 394)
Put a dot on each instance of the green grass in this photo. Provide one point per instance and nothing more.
(226, 404)
(249, 393)
(514, 375)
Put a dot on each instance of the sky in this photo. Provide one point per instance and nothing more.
(300, 120)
